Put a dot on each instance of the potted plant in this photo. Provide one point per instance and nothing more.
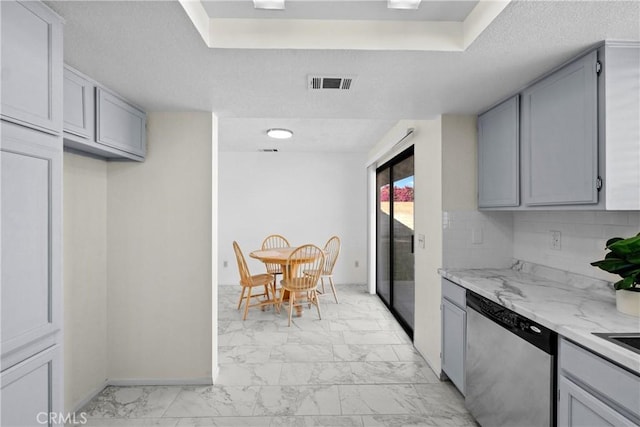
(623, 259)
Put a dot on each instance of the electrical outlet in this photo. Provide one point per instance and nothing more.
(357, 264)
(421, 241)
(556, 240)
(476, 236)
(225, 264)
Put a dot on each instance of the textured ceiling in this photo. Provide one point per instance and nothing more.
(150, 52)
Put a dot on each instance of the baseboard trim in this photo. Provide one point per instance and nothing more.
(80, 404)
(160, 381)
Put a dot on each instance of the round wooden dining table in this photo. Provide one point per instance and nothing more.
(281, 256)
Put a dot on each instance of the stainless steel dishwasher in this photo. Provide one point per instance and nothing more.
(510, 367)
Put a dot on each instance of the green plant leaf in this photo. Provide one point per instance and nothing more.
(612, 241)
(630, 246)
(613, 265)
(625, 283)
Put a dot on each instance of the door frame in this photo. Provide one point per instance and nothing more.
(403, 155)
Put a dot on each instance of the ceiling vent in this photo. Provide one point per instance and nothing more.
(330, 82)
(268, 150)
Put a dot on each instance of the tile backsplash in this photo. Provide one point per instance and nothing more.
(582, 237)
(473, 239)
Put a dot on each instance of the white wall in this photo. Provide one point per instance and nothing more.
(85, 277)
(306, 197)
(583, 238)
(159, 218)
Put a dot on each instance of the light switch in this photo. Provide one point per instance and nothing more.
(421, 241)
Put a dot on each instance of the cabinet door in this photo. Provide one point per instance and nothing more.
(31, 207)
(559, 136)
(31, 65)
(79, 105)
(579, 408)
(31, 391)
(498, 156)
(119, 124)
(454, 339)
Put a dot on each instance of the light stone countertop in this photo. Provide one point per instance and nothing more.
(571, 305)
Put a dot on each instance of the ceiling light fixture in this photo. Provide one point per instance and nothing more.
(279, 133)
(268, 4)
(402, 4)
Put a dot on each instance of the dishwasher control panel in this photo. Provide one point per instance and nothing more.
(536, 334)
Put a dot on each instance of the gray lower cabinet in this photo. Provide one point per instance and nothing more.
(560, 136)
(100, 122)
(594, 392)
(31, 65)
(454, 336)
(29, 391)
(498, 155)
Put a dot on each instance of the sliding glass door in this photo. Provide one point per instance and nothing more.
(395, 282)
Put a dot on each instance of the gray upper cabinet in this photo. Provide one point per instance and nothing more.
(498, 155)
(79, 100)
(119, 124)
(100, 122)
(31, 65)
(560, 136)
(579, 133)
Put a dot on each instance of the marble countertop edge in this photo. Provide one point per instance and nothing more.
(571, 312)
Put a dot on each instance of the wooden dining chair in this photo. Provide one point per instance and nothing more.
(331, 251)
(271, 242)
(248, 282)
(305, 265)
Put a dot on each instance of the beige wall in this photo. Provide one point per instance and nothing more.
(85, 277)
(459, 164)
(160, 255)
(428, 220)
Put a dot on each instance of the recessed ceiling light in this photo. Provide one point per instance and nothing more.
(268, 4)
(403, 4)
(280, 133)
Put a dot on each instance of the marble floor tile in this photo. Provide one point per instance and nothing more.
(316, 337)
(302, 353)
(371, 337)
(211, 401)
(417, 421)
(381, 399)
(441, 399)
(364, 353)
(126, 422)
(355, 367)
(316, 373)
(298, 400)
(392, 373)
(249, 374)
(255, 338)
(317, 421)
(244, 354)
(355, 325)
(407, 353)
(131, 402)
(225, 422)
